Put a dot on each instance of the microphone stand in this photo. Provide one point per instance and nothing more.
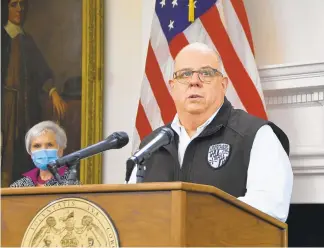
(140, 173)
(53, 168)
(73, 171)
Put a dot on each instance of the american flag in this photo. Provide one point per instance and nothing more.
(223, 26)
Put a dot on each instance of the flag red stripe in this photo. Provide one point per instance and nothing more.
(239, 8)
(241, 81)
(142, 123)
(177, 43)
(160, 90)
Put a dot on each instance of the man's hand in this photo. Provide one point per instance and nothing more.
(59, 105)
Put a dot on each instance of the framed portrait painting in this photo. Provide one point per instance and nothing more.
(51, 69)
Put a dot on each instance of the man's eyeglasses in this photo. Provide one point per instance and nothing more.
(205, 75)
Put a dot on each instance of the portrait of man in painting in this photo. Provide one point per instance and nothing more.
(41, 77)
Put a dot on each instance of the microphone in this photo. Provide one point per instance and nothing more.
(114, 141)
(164, 137)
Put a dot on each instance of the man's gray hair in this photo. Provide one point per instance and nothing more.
(43, 127)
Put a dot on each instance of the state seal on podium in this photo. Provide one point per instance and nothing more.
(71, 222)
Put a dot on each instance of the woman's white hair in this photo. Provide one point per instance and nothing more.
(43, 127)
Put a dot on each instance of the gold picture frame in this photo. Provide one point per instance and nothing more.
(92, 87)
(52, 69)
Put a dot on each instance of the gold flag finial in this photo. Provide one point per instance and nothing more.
(191, 15)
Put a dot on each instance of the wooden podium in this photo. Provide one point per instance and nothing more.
(152, 214)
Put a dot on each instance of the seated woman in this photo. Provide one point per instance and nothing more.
(45, 142)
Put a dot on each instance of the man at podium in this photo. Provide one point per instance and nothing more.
(218, 145)
(45, 142)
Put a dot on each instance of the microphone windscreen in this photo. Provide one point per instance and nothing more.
(122, 139)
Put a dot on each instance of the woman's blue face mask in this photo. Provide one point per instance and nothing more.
(42, 158)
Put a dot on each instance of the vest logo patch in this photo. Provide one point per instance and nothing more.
(218, 155)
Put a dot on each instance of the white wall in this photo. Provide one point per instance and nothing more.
(286, 31)
(127, 29)
(288, 38)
